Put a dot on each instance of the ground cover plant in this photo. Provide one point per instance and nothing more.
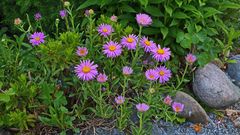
(108, 67)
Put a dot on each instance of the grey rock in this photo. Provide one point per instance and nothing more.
(156, 130)
(103, 131)
(237, 122)
(4, 132)
(214, 88)
(233, 70)
(193, 111)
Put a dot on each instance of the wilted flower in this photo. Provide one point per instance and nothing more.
(130, 42)
(119, 100)
(66, 4)
(167, 100)
(143, 19)
(190, 58)
(151, 90)
(102, 78)
(177, 107)
(105, 30)
(37, 38)
(151, 74)
(164, 74)
(114, 18)
(142, 107)
(91, 11)
(63, 13)
(37, 16)
(127, 70)
(86, 70)
(112, 49)
(147, 45)
(161, 54)
(82, 51)
(17, 21)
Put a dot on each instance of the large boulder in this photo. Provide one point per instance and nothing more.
(233, 70)
(192, 111)
(212, 86)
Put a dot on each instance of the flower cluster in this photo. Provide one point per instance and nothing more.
(176, 106)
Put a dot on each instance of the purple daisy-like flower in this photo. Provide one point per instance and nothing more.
(164, 74)
(147, 45)
(127, 70)
(151, 74)
(142, 107)
(37, 16)
(168, 100)
(130, 41)
(37, 38)
(102, 78)
(82, 51)
(177, 107)
(112, 49)
(119, 100)
(105, 30)
(63, 13)
(86, 70)
(143, 19)
(161, 54)
(190, 58)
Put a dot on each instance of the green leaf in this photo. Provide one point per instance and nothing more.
(4, 97)
(179, 2)
(150, 31)
(105, 2)
(168, 9)
(156, 1)
(164, 31)
(154, 11)
(144, 2)
(87, 4)
(210, 12)
(180, 15)
(127, 8)
(157, 23)
(228, 4)
(180, 36)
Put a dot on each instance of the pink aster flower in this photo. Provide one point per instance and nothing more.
(112, 49)
(161, 54)
(63, 13)
(37, 16)
(105, 30)
(168, 100)
(142, 107)
(86, 70)
(164, 74)
(82, 51)
(190, 58)
(151, 74)
(113, 18)
(177, 107)
(143, 19)
(17, 21)
(130, 42)
(37, 38)
(102, 78)
(119, 100)
(147, 45)
(127, 70)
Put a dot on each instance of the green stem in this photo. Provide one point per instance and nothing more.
(67, 25)
(140, 123)
(185, 71)
(137, 47)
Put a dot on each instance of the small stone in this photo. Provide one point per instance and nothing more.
(233, 70)
(156, 130)
(192, 111)
(212, 86)
(237, 122)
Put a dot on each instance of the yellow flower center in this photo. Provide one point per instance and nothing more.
(161, 73)
(86, 69)
(105, 30)
(160, 51)
(130, 40)
(147, 43)
(112, 47)
(82, 51)
(178, 109)
(37, 38)
(151, 76)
